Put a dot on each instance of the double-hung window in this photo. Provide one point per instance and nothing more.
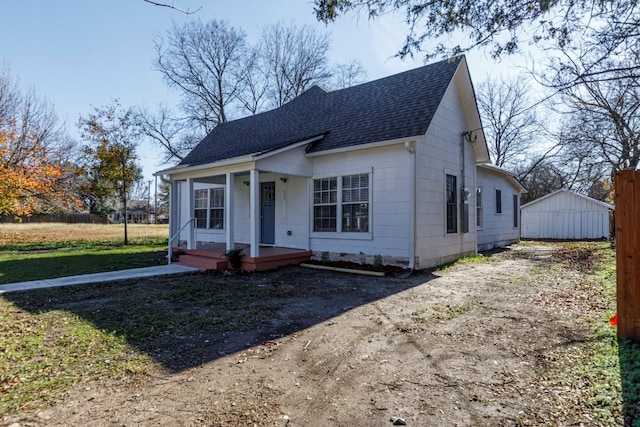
(452, 211)
(341, 204)
(325, 203)
(216, 208)
(201, 202)
(209, 208)
(355, 203)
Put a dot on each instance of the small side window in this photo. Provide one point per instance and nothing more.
(452, 207)
(479, 207)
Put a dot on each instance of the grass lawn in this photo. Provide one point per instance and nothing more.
(45, 251)
(47, 344)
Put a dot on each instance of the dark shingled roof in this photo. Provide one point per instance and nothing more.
(398, 106)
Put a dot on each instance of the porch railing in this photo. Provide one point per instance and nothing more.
(177, 234)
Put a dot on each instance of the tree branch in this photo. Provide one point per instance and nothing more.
(174, 7)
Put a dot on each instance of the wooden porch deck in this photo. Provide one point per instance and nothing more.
(210, 256)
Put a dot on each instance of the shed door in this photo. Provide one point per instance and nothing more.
(267, 212)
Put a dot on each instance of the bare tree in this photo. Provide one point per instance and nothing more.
(220, 76)
(540, 177)
(510, 117)
(347, 75)
(9, 97)
(582, 167)
(572, 166)
(202, 61)
(175, 136)
(606, 112)
(598, 136)
(296, 58)
(255, 81)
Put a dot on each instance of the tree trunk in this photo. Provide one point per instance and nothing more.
(124, 197)
(124, 205)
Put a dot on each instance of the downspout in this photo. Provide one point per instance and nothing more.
(464, 192)
(411, 149)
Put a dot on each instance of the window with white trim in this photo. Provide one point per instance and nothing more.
(452, 207)
(516, 211)
(355, 203)
(498, 201)
(341, 204)
(209, 208)
(325, 203)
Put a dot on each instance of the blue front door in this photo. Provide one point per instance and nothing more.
(267, 212)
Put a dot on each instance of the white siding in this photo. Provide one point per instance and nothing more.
(437, 156)
(565, 215)
(497, 228)
(389, 205)
(289, 162)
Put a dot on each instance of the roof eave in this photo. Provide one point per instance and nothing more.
(508, 174)
(564, 190)
(276, 151)
(225, 162)
(365, 146)
(252, 157)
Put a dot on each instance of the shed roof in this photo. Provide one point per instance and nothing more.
(394, 107)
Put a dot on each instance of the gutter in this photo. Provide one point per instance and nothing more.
(252, 157)
(227, 162)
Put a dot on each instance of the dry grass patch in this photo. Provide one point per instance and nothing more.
(16, 234)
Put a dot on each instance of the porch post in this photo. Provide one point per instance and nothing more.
(229, 210)
(254, 208)
(174, 219)
(191, 238)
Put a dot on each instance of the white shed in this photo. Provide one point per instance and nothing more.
(565, 215)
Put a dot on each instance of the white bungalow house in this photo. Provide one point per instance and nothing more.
(384, 170)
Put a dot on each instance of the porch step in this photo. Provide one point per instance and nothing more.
(202, 263)
(210, 256)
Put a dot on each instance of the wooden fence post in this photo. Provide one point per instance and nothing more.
(627, 202)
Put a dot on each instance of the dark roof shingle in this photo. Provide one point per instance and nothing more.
(398, 106)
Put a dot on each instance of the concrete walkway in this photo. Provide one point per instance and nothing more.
(109, 276)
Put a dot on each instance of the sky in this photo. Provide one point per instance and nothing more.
(84, 53)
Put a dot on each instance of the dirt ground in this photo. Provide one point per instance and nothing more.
(465, 346)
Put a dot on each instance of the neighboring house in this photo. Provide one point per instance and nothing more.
(138, 212)
(566, 215)
(383, 171)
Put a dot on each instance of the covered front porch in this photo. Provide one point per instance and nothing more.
(210, 256)
(260, 203)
